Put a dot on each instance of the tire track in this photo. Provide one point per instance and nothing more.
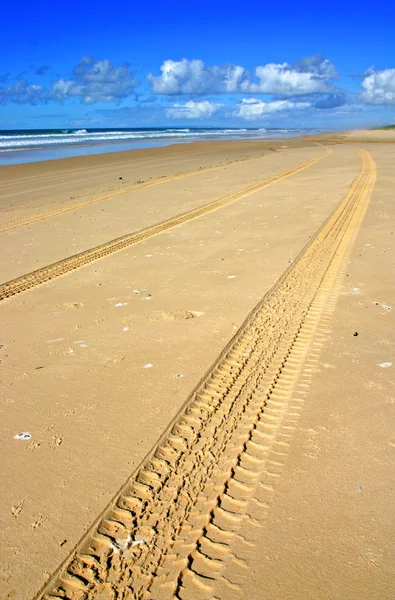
(120, 164)
(169, 531)
(31, 219)
(49, 177)
(44, 274)
(286, 402)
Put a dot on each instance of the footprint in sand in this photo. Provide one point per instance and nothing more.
(38, 522)
(16, 509)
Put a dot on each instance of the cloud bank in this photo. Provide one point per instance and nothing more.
(308, 76)
(92, 81)
(21, 92)
(95, 81)
(191, 90)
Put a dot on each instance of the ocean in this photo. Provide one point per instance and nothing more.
(33, 145)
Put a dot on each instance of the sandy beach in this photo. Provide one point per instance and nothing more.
(197, 372)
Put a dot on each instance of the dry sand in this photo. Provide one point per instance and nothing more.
(366, 135)
(75, 375)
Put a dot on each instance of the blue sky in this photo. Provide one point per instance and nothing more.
(256, 64)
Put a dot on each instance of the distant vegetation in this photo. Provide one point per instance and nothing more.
(386, 127)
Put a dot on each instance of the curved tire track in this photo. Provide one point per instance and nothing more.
(35, 278)
(169, 531)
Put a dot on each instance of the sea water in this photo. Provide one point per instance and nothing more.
(32, 145)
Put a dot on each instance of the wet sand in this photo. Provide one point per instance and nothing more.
(77, 352)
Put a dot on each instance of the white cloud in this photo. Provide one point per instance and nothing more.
(252, 109)
(193, 110)
(378, 87)
(185, 77)
(95, 81)
(310, 75)
(234, 78)
(286, 80)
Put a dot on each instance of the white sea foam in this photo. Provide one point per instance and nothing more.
(36, 140)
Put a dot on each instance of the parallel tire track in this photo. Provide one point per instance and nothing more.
(25, 282)
(31, 219)
(93, 170)
(169, 531)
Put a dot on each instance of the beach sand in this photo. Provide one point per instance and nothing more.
(275, 482)
(366, 135)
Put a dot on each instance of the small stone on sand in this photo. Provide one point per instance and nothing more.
(23, 435)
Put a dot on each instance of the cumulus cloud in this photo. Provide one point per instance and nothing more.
(95, 81)
(193, 110)
(252, 109)
(378, 87)
(235, 78)
(21, 92)
(193, 77)
(184, 77)
(308, 76)
(287, 80)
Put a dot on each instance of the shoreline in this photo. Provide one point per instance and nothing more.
(50, 152)
(90, 160)
(10, 158)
